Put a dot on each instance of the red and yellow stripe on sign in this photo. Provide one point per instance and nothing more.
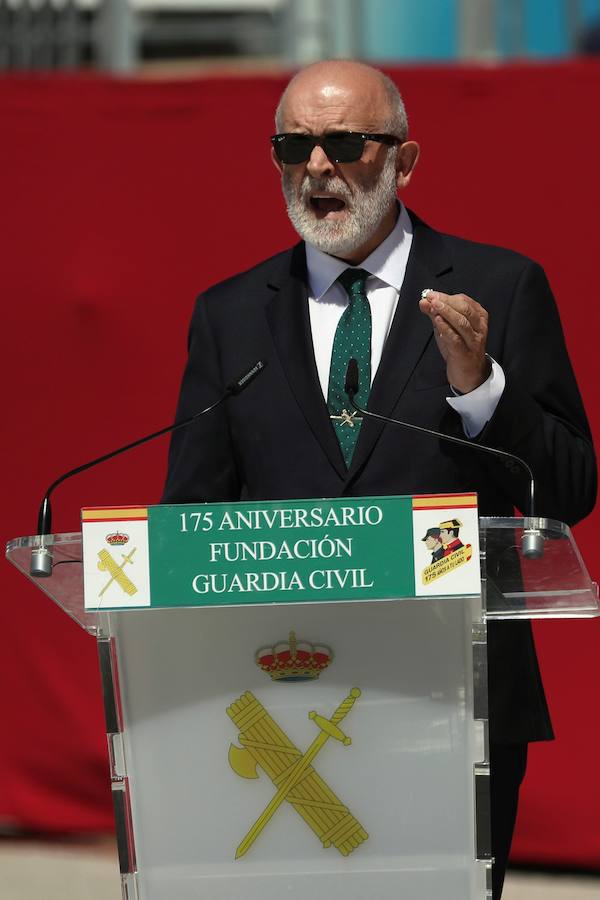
(445, 501)
(114, 514)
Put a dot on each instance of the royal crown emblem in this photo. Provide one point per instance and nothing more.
(293, 660)
(117, 539)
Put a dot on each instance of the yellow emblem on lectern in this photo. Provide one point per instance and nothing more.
(266, 745)
(110, 565)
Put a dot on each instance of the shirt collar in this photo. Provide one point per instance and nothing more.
(387, 261)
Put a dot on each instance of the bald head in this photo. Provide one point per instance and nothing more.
(341, 191)
(331, 84)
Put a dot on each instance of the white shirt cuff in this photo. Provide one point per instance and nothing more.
(477, 407)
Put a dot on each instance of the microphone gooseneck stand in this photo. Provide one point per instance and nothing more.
(41, 556)
(532, 541)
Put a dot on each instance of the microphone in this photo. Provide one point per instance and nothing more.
(41, 557)
(239, 384)
(351, 382)
(532, 541)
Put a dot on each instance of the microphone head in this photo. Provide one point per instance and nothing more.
(41, 562)
(351, 382)
(532, 539)
(240, 383)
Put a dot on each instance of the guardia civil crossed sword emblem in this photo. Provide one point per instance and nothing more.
(109, 564)
(264, 744)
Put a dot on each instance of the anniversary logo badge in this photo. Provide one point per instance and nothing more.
(447, 550)
(446, 544)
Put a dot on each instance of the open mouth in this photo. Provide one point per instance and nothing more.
(326, 204)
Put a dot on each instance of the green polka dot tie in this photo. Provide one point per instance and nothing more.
(352, 339)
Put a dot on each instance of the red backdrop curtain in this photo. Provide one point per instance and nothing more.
(120, 201)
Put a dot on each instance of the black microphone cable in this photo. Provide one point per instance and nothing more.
(41, 556)
(532, 541)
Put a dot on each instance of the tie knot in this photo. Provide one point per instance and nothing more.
(353, 281)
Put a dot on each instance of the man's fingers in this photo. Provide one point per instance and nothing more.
(448, 337)
(458, 304)
(460, 327)
(464, 316)
(468, 323)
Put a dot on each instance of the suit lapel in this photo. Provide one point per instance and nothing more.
(288, 318)
(429, 266)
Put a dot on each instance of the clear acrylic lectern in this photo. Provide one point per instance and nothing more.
(328, 749)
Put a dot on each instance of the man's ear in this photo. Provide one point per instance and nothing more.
(407, 155)
(276, 161)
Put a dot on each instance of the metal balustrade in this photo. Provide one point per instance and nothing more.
(121, 35)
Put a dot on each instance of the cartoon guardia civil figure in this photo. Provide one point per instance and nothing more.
(451, 335)
(434, 544)
(449, 536)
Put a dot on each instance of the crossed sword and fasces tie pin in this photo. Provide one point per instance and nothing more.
(266, 745)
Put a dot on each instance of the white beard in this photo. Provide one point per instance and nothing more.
(365, 209)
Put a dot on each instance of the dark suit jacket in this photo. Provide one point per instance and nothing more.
(276, 441)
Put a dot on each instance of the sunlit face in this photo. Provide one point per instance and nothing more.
(338, 214)
(344, 209)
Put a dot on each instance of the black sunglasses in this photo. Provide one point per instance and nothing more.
(339, 146)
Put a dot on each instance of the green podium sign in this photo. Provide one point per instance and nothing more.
(231, 554)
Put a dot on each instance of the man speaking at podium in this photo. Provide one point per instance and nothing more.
(455, 336)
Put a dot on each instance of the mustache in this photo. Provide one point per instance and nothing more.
(333, 185)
